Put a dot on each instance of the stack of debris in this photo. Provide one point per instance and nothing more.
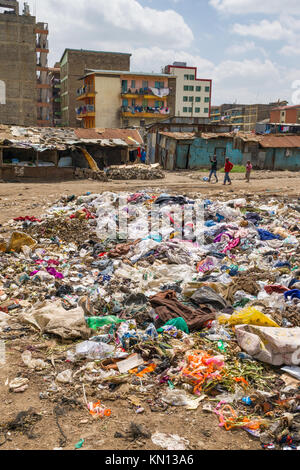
(85, 173)
(135, 172)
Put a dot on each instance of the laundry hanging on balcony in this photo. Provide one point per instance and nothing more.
(160, 91)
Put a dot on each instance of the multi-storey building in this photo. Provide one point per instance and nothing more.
(113, 99)
(243, 116)
(285, 115)
(73, 65)
(55, 100)
(23, 72)
(189, 96)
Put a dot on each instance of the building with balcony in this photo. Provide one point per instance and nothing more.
(55, 100)
(73, 65)
(190, 96)
(243, 116)
(112, 99)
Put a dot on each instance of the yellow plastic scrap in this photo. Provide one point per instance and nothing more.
(20, 239)
(248, 316)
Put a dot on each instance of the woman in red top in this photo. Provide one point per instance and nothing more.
(228, 168)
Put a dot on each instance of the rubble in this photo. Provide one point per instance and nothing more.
(195, 317)
(135, 172)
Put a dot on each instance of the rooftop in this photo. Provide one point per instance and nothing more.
(53, 138)
(94, 52)
(122, 72)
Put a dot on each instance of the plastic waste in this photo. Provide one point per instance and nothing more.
(94, 350)
(248, 316)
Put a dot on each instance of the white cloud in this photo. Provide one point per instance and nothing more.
(290, 50)
(239, 49)
(74, 23)
(269, 30)
(267, 7)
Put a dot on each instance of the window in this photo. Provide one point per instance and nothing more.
(198, 99)
(197, 110)
(192, 77)
(159, 85)
(190, 110)
(186, 88)
(198, 88)
(191, 98)
(207, 88)
(133, 102)
(132, 83)
(206, 110)
(125, 102)
(191, 88)
(185, 98)
(186, 77)
(159, 104)
(145, 84)
(185, 110)
(145, 103)
(206, 100)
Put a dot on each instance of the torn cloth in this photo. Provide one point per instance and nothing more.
(167, 307)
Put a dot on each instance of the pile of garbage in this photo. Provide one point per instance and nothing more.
(135, 172)
(204, 313)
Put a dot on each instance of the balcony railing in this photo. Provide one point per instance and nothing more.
(143, 92)
(85, 90)
(82, 110)
(145, 110)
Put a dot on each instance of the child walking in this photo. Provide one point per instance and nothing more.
(248, 171)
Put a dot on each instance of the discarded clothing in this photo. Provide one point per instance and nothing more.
(207, 295)
(292, 294)
(167, 307)
(266, 235)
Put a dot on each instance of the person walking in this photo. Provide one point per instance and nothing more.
(214, 167)
(248, 170)
(228, 167)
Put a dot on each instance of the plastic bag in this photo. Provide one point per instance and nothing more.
(248, 316)
(93, 350)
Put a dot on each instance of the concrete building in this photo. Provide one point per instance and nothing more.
(122, 99)
(73, 65)
(23, 83)
(189, 96)
(242, 116)
(285, 115)
(55, 99)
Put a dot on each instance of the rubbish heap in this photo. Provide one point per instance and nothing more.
(207, 314)
(135, 172)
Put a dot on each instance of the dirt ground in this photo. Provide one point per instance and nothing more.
(199, 427)
(33, 198)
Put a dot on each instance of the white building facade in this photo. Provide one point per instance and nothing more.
(191, 95)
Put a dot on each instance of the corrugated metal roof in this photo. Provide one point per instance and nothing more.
(179, 135)
(48, 138)
(286, 141)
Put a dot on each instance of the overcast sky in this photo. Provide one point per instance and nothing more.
(249, 48)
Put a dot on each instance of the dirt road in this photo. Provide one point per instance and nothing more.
(32, 198)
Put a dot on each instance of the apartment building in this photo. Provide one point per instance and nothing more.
(285, 115)
(113, 99)
(190, 96)
(23, 71)
(55, 99)
(243, 116)
(73, 64)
